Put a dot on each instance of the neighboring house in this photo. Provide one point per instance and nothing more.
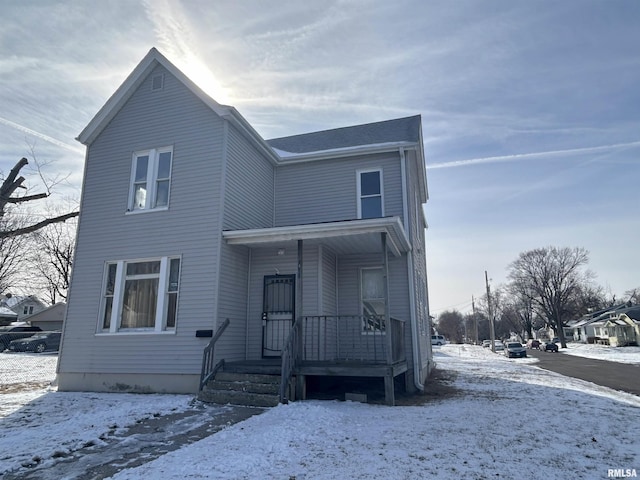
(23, 306)
(311, 245)
(622, 328)
(7, 316)
(590, 326)
(49, 319)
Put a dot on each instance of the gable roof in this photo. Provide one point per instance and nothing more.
(377, 137)
(124, 92)
(14, 301)
(388, 135)
(397, 131)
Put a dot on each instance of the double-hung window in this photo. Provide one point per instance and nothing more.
(140, 295)
(150, 179)
(370, 201)
(373, 303)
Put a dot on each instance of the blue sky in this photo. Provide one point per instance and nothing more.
(530, 107)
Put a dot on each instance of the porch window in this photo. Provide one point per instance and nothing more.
(150, 179)
(370, 202)
(140, 295)
(372, 299)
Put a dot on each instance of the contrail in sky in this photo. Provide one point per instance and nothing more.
(521, 156)
(47, 138)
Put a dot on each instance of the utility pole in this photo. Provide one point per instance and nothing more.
(475, 319)
(491, 328)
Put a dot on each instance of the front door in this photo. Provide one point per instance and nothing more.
(277, 312)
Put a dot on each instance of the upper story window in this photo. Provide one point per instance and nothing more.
(140, 295)
(27, 310)
(150, 179)
(370, 201)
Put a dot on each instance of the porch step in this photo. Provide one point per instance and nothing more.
(247, 389)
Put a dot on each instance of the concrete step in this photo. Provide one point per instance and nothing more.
(243, 386)
(249, 389)
(247, 377)
(234, 397)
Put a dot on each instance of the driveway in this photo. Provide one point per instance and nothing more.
(619, 376)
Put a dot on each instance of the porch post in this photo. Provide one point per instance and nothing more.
(300, 383)
(389, 393)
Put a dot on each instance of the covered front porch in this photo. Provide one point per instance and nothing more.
(329, 310)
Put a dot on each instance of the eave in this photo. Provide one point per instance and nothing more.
(351, 236)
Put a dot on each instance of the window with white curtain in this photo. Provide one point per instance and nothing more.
(372, 298)
(140, 295)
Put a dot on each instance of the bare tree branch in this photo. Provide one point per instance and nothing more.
(39, 225)
(7, 191)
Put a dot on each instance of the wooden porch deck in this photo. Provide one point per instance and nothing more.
(347, 368)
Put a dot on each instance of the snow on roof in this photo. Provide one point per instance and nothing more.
(7, 312)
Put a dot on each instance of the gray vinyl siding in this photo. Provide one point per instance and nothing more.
(248, 203)
(417, 236)
(190, 228)
(266, 261)
(329, 301)
(349, 288)
(326, 191)
(249, 180)
(234, 278)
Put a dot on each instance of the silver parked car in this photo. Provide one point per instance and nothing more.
(515, 349)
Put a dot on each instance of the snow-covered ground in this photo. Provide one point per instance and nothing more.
(504, 419)
(603, 352)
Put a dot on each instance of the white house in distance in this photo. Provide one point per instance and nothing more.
(22, 305)
(312, 246)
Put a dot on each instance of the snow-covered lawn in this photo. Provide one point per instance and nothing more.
(604, 352)
(505, 419)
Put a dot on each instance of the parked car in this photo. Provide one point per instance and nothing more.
(438, 340)
(14, 332)
(548, 346)
(498, 346)
(41, 342)
(486, 343)
(515, 349)
(533, 343)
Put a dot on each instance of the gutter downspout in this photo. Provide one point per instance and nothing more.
(415, 344)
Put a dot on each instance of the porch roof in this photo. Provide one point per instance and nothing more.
(350, 236)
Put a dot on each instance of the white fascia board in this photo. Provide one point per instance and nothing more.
(245, 127)
(398, 240)
(288, 158)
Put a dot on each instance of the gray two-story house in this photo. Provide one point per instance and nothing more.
(312, 246)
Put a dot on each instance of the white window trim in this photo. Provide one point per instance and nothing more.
(359, 189)
(160, 324)
(363, 331)
(152, 177)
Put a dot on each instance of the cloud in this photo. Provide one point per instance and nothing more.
(47, 138)
(173, 33)
(525, 156)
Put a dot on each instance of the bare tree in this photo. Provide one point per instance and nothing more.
(52, 259)
(550, 278)
(633, 296)
(451, 325)
(13, 255)
(11, 186)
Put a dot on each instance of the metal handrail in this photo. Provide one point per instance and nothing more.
(352, 338)
(290, 359)
(208, 370)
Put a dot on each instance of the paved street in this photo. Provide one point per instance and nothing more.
(619, 376)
